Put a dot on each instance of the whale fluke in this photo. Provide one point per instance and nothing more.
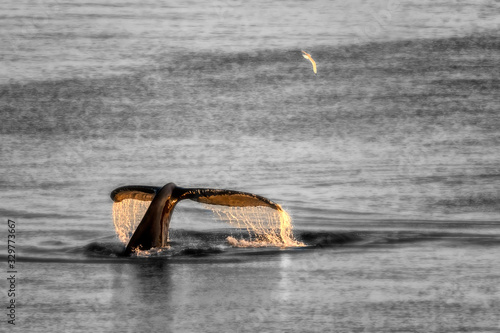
(137, 192)
(153, 229)
(227, 198)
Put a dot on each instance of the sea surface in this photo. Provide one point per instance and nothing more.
(387, 160)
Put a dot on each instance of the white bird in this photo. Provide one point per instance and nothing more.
(308, 56)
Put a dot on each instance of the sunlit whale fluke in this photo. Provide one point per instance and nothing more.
(308, 57)
(152, 231)
(137, 192)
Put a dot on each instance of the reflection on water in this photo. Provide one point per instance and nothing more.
(414, 287)
(148, 286)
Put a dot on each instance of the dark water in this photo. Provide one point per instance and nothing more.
(387, 160)
(373, 282)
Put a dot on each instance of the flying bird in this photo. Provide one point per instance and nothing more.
(308, 56)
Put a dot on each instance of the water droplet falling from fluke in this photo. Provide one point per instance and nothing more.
(266, 226)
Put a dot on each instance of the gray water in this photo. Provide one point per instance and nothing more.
(53, 39)
(387, 161)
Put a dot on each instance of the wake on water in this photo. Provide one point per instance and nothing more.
(263, 229)
(234, 242)
(260, 230)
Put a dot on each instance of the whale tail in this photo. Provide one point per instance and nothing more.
(153, 229)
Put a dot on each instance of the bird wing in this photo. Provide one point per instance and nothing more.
(308, 56)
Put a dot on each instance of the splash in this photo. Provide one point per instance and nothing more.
(127, 215)
(266, 226)
(149, 253)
